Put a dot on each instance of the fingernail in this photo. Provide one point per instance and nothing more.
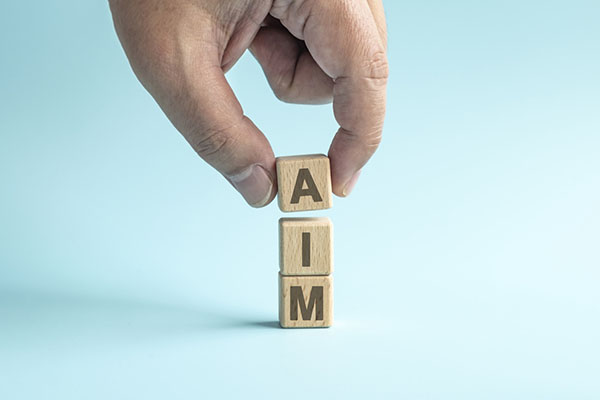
(351, 183)
(255, 184)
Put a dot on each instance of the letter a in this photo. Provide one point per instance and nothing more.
(311, 189)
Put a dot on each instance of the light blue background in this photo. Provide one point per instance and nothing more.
(467, 259)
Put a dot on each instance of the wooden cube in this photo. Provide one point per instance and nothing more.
(304, 183)
(305, 301)
(305, 246)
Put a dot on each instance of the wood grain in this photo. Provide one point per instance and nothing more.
(305, 246)
(304, 183)
(305, 301)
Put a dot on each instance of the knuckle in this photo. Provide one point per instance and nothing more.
(372, 139)
(369, 140)
(213, 141)
(155, 62)
(211, 144)
(377, 68)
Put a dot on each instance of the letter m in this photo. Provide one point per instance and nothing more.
(297, 302)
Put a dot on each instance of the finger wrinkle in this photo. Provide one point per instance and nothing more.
(213, 141)
(370, 139)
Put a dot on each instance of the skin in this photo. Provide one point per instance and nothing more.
(311, 51)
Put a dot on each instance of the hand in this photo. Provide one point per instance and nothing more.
(312, 51)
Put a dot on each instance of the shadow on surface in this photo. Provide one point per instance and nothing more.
(262, 324)
(30, 317)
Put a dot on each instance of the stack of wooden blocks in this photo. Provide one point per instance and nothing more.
(305, 244)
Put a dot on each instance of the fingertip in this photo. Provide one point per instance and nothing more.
(348, 154)
(256, 185)
(344, 174)
(349, 186)
(343, 184)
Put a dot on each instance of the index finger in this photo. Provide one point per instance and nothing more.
(344, 39)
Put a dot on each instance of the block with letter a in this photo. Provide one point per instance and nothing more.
(304, 183)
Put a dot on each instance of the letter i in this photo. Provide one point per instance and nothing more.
(306, 249)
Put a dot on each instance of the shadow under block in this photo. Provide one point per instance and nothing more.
(305, 301)
(304, 183)
(305, 246)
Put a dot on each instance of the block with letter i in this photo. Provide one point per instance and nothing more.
(305, 244)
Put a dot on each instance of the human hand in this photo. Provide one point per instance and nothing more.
(312, 52)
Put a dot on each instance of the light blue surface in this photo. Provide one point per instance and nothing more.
(467, 259)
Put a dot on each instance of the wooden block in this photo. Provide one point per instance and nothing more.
(305, 301)
(305, 246)
(304, 183)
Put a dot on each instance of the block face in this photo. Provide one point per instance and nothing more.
(304, 183)
(305, 301)
(305, 246)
